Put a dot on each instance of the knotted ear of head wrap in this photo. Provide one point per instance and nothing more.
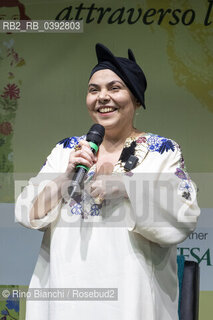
(127, 69)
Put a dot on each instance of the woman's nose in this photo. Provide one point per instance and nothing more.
(103, 96)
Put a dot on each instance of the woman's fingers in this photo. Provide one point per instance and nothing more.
(86, 148)
(83, 160)
(96, 190)
(107, 187)
(83, 156)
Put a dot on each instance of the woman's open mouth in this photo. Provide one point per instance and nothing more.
(106, 110)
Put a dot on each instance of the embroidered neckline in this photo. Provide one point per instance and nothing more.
(141, 146)
(140, 150)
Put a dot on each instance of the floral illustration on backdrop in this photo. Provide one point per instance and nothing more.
(10, 93)
(10, 89)
(10, 306)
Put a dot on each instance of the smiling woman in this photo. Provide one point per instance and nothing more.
(137, 203)
(111, 103)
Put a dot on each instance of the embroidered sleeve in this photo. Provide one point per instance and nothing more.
(71, 142)
(186, 185)
(160, 144)
(163, 201)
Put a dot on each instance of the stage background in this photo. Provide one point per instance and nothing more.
(43, 84)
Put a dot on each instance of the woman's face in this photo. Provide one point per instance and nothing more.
(109, 101)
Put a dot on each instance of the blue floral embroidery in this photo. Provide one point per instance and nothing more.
(159, 144)
(185, 185)
(76, 209)
(166, 145)
(43, 164)
(71, 142)
(95, 211)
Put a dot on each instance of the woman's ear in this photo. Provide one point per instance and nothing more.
(138, 104)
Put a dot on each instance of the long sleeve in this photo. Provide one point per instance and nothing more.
(163, 199)
(24, 202)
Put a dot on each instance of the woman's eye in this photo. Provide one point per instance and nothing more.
(115, 88)
(92, 90)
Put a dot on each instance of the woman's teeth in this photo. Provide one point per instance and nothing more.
(104, 110)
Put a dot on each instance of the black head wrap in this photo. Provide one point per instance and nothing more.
(127, 69)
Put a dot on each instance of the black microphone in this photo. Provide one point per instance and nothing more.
(94, 137)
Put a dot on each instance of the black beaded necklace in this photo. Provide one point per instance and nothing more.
(127, 152)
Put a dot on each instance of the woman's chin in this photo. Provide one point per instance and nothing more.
(107, 124)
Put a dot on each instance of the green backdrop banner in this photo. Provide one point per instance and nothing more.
(44, 76)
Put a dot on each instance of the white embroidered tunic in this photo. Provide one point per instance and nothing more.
(128, 244)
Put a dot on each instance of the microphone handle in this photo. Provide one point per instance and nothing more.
(74, 190)
(77, 182)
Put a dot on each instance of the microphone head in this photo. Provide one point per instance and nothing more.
(96, 134)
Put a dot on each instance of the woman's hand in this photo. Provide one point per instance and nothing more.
(58, 188)
(106, 187)
(82, 156)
